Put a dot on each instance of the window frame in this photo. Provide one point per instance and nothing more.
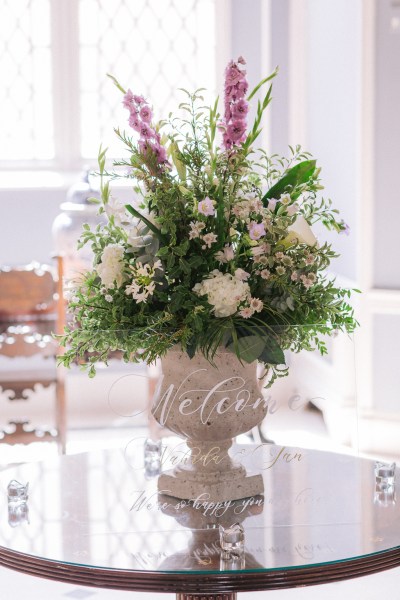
(64, 25)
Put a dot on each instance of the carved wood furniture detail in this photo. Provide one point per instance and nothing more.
(31, 312)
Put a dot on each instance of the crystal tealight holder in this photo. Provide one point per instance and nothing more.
(233, 563)
(17, 492)
(152, 457)
(18, 513)
(385, 497)
(231, 540)
(385, 476)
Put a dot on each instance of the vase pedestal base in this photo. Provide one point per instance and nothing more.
(214, 488)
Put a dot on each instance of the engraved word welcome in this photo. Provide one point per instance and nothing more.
(226, 395)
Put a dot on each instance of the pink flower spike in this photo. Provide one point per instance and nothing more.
(236, 130)
(128, 101)
(161, 153)
(256, 230)
(242, 87)
(233, 74)
(240, 109)
(134, 122)
(146, 114)
(235, 106)
(145, 131)
(139, 99)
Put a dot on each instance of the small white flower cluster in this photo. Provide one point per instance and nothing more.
(110, 269)
(227, 292)
(196, 227)
(245, 206)
(143, 284)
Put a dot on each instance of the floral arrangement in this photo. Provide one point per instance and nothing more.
(217, 249)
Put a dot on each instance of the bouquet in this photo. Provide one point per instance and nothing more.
(217, 247)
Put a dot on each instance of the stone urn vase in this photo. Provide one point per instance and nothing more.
(209, 405)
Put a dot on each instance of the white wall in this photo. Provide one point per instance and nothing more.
(26, 217)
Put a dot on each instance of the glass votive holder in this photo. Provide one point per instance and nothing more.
(232, 563)
(231, 540)
(18, 513)
(385, 476)
(385, 497)
(152, 457)
(17, 492)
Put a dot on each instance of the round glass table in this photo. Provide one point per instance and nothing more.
(96, 519)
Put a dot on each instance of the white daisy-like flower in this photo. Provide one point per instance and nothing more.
(265, 274)
(256, 304)
(196, 228)
(246, 312)
(209, 239)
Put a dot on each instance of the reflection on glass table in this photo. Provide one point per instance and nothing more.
(97, 519)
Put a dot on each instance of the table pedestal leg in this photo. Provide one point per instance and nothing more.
(223, 596)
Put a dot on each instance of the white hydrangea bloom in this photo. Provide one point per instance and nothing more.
(110, 269)
(224, 291)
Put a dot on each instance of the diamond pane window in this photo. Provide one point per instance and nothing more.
(26, 123)
(150, 46)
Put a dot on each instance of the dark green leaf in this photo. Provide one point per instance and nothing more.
(184, 265)
(195, 261)
(272, 353)
(248, 348)
(176, 302)
(182, 249)
(163, 252)
(297, 175)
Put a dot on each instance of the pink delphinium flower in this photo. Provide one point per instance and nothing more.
(140, 115)
(146, 114)
(236, 130)
(240, 109)
(236, 106)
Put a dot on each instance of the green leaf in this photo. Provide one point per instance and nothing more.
(116, 83)
(248, 348)
(182, 249)
(272, 353)
(176, 302)
(179, 165)
(164, 251)
(195, 261)
(185, 266)
(255, 90)
(297, 175)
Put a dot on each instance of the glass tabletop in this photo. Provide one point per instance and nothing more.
(100, 510)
